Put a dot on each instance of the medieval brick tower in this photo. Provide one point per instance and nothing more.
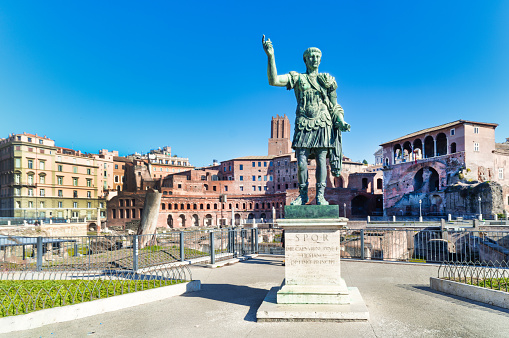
(279, 141)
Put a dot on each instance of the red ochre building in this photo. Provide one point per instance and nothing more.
(241, 190)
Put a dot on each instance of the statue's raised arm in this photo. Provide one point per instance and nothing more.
(274, 79)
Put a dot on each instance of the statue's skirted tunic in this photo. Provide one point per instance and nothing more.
(318, 120)
(313, 123)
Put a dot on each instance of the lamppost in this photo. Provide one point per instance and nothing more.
(480, 211)
(344, 209)
(420, 210)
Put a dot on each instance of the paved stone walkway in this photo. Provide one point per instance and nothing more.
(398, 297)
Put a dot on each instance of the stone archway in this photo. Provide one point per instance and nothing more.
(169, 221)
(208, 220)
(426, 180)
(182, 221)
(237, 219)
(196, 220)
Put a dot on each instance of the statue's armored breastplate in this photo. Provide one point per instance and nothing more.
(311, 110)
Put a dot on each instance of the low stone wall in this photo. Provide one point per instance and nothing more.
(477, 293)
(46, 230)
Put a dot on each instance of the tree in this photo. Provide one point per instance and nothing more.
(365, 162)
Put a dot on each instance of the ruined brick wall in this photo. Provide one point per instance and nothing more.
(463, 198)
(47, 230)
(403, 190)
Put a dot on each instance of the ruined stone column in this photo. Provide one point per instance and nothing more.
(149, 216)
(98, 221)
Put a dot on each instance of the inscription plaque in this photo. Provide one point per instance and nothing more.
(312, 256)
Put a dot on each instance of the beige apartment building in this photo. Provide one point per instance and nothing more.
(39, 180)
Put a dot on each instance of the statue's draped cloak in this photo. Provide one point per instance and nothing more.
(313, 122)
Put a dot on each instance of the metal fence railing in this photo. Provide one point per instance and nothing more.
(490, 274)
(134, 252)
(433, 245)
(426, 245)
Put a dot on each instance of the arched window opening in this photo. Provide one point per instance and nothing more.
(417, 149)
(429, 147)
(453, 147)
(441, 144)
(407, 151)
(364, 183)
(397, 153)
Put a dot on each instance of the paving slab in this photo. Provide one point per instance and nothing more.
(398, 297)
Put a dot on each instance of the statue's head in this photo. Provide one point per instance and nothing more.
(312, 53)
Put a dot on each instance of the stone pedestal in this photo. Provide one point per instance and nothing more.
(312, 256)
(313, 289)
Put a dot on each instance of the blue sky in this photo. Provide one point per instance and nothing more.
(133, 76)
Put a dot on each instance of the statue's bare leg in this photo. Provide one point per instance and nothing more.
(302, 176)
(321, 175)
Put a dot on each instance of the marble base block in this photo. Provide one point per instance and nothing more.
(314, 294)
(272, 311)
(312, 262)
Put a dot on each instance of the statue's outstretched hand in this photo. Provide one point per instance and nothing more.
(345, 127)
(267, 46)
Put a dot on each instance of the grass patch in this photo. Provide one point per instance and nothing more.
(153, 248)
(488, 283)
(83, 250)
(492, 283)
(120, 258)
(20, 297)
(190, 252)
